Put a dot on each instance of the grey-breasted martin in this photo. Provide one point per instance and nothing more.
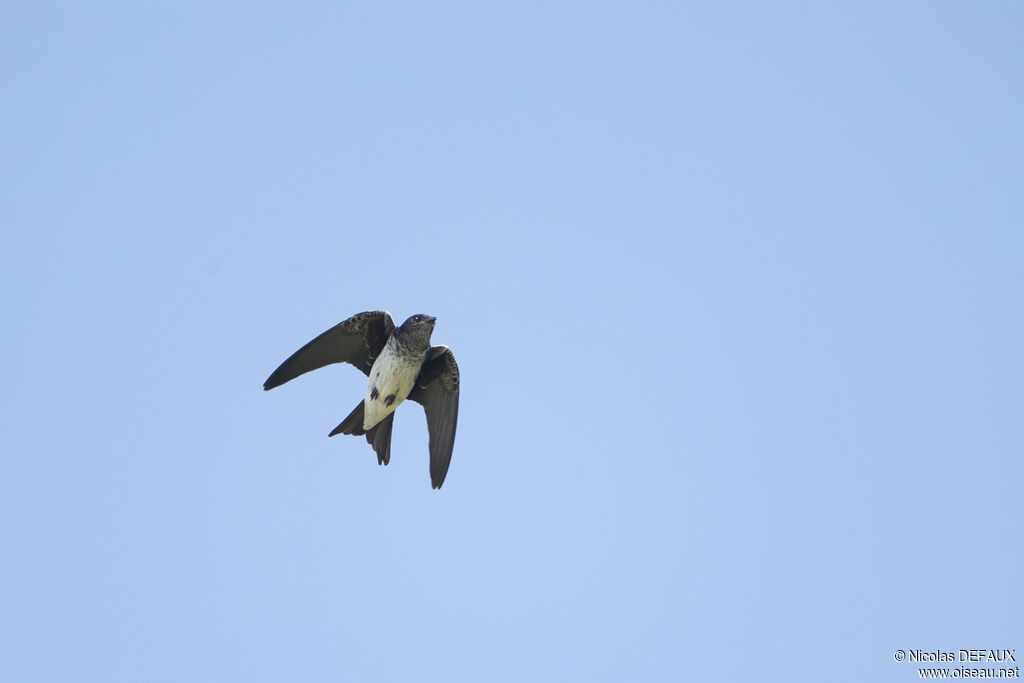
(400, 363)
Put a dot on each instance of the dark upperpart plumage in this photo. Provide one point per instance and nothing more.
(413, 335)
(359, 341)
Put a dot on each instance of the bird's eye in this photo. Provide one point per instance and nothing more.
(417, 318)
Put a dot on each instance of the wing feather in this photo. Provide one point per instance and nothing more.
(357, 340)
(437, 390)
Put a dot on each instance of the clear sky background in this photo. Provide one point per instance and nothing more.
(735, 291)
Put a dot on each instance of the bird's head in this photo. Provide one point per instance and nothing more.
(417, 329)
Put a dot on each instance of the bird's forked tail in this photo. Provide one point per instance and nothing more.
(379, 436)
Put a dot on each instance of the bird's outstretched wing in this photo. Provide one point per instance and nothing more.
(437, 390)
(357, 340)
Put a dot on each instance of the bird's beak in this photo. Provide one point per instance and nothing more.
(431, 319)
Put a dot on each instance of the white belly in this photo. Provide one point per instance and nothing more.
(391, 380)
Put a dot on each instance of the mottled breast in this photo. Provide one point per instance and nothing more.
(391, 379)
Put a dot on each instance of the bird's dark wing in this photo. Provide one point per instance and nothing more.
(437, 390)
(357, 340)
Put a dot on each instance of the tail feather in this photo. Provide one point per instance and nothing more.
(353, 424)
(379, 436)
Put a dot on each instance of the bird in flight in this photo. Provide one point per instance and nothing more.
(401, 364)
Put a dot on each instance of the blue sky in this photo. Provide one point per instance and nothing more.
(735, 292)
